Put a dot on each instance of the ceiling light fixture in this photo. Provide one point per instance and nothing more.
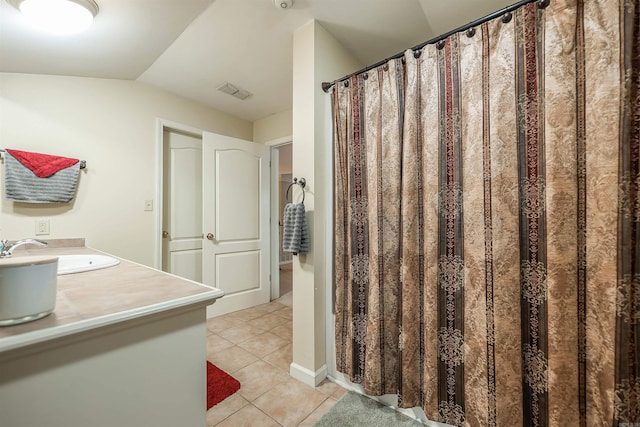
(62, 17)
(283, 4)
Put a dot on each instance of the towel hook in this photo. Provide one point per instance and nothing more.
(302, 183)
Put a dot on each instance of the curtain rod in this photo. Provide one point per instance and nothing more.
(505, 12)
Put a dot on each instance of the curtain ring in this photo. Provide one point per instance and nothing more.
(365, 76)
(346, 83)
(385, 67)
(440, 45)
(416, 54)
(543, 4)
(471, 32)
(506, 18)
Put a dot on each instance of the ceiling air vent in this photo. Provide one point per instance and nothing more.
(234, 91)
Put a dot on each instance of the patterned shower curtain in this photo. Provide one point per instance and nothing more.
(487, 212)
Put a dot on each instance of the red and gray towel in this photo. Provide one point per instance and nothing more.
(295, 234)
(39, 178)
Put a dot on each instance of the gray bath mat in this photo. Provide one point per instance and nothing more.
(354, 410)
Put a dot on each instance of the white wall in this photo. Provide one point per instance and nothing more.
(112, 125)
(273, 127)
(317, 57)
(285, 159)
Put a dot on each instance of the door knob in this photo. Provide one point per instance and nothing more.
(165, 234)
(210, 236)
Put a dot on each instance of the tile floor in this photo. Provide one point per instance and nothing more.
(254, 346)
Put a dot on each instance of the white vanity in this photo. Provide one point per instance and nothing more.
(125, 346)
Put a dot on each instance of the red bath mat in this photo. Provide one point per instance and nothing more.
(220, 385)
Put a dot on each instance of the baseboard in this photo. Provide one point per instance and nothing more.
(307, 376)
(346, 384)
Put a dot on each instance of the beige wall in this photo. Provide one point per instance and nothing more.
(112, 125)
(317, 57)
(273, 127)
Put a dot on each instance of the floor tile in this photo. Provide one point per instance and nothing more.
(216, 343)
(313, 418)
(284, 331)
(290, 402)
(240, 333)
(250, 313)
(339, 393)
(263, 344)
(286, 312)
(268, 321)
(270, 306)
(286, 299)
(231, 359)
(281, 358)
(331, 389)
(226, 408)
(221, 323)
(255, 347)
(249, 416)
(257, 378)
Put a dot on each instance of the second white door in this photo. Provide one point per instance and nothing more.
(236, 206)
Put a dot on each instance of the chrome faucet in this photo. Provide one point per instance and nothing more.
(6, 250)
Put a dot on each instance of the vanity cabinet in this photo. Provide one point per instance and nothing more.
(125, 346)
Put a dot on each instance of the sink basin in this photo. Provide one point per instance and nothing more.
(68, 264)
(28, 283)
(27, 288)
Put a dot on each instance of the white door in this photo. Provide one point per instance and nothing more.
(182, 207)
(236, 206)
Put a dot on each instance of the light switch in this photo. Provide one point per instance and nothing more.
(148, 205)
(42, 227)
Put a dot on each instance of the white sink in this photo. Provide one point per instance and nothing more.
(68, 264)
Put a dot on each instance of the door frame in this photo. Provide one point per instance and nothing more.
(161, 126)
(275, 214)
(164, 124)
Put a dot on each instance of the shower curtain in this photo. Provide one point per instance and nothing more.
(487, 209)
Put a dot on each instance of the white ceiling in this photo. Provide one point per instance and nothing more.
(190, 47)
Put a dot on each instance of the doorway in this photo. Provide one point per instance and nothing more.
(285, 178)
(213, 217)
(182, 204)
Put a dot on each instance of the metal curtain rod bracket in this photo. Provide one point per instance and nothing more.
(301, 182)
(83, 163)
(326, 86)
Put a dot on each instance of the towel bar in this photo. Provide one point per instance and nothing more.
(83, 163)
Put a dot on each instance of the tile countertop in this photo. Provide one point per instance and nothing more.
(97, 298)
